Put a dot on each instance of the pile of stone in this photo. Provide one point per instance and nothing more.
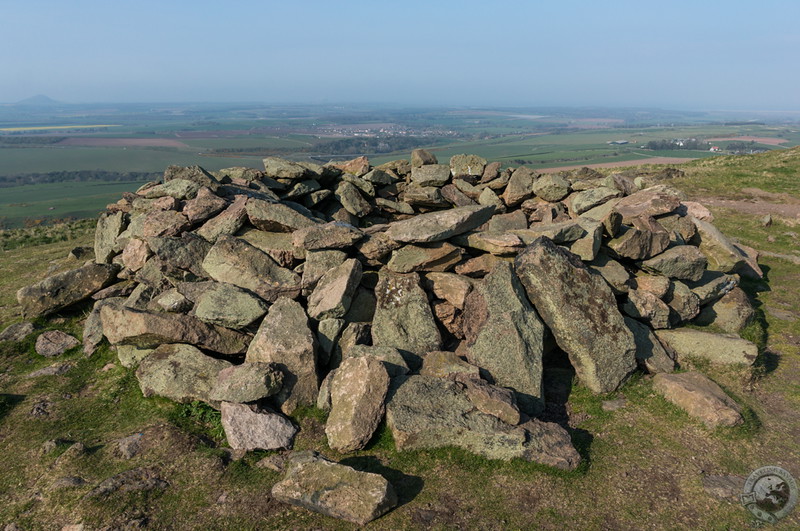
(423, 294)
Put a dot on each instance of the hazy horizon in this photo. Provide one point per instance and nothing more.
(725, 57)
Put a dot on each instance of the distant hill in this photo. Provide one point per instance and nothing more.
(38, 101)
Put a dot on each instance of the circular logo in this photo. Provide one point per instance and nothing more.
(770, 493)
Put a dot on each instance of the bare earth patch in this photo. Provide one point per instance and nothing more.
(619, 164)
(760, 139)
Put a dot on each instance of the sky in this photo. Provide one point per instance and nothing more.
(692, 55)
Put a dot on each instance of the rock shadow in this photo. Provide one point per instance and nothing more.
(406, 486)
(9, 402)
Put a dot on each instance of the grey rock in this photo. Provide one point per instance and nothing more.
(93, 327)
(173, 301)
(333, 489)
(179, 372)
(278, 245)
(392, 360)
(109, 227)
(137, 479)
(653, 201)
(421, 157)
(333, 235)
(436, 226)
(700, 397)
(650, 354)
(63, 289)
(130, 355)
(351, 199)
(283, 169)
(581, 311)
(328, 331)
(446, 364)
(647, 307)
(493, 400)
(505, 336)
(436, 256)
(178, 188)
(226, 223)
(721, 253)
(205, 205)
(520, 186)
(467, 165)
(17, 331)
(684, 262)
(285, 339)
(191, 173)
(716, 348)
(403, 317)
(318, 263)
(430, 175)
(712, 285)
(684, 303)
(732, 313)
(276, 217)
(612, 272)
(424, 196)
(248, 428)
(247, 382)
(334, 292)
(357, 393)
(236, 262)
(588, 199)
(638, 244)
(54, 343)
(229, 306)
(551, 187)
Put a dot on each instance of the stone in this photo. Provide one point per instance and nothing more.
(54, 343)
(655, 284)
(562, 232)
(454, 196)
(588, 199)
(436, 256)
(581, 311)
(684, 262)
(498, 243)
(127, 326)
(700, 397)
(479, 266)
(505, 336)
(333, 235)
(109, 227)
(392, 360)
(587, 246)
(504, 222)
(351, 199)
(333, 489)
(749, 267)
(283, 169)
(63, 289)
(403, 317)
(162, 223)
(424, 196)
(449, 286)
(352, 335)
(467, 165)
(276, 217)
(285, 339)
(358, 166)
(653, 201)
(551, 187)
(712, 285)
(421, 157)
(249, 428)
(328, 331)
(607, 215)
(394, 206)
(445, 364)
(646, 306)
(490, 171)
(56, 369)
(191, 173)
(357, 393)
(236, 262)
(17, 331)
(684, 303)
(324, 395)
(133, 480)
(173, 301)
(135, 254)
(732, 313)
(436, 175)
(176, 188)
(681, 228)
(278, 245)
(489, 198)
(229, 306)
(650, 354)
(204, 205)
(382, 176)
(612, 272)
(493, 400)
(179, 372)
(520, 186)
(334, 292)
(181, 254)
(318, 263)
(638, 244)
(428, 412)
(437, 226)
(93, 327)
(721, 253)
(716, 348)
(226, 223)
(130, 355)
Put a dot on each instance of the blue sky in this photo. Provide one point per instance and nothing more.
(678, 54)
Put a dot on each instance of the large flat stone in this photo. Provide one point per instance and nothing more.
(716, 348)
(62, 290)
(179, 372)
(435, 226)
(248, 428)
(700, 397)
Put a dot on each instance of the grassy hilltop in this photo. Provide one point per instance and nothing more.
(643, 464)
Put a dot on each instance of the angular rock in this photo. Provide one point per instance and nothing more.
(54, 343)
(716, 348)
(109, 227)
(498, 243)
(357, 393)
(436, 256)
(93, 327)
(647, 307)
(162, 223)
(655, 284)
(333, 235)
(505, 336)
(489, 198)
(176, 188)
(504, 222)
(479, 266)
(283, 169)
(226, 223)
(455, 197)
(61, 290)
(449, 286)
(191, 173)
(205, 205)
(318, 263)
(328, 331)
(684, 303)
(334, 292)
(581, 311)
(421, 157)
(493, 400)
(236, 262)
(653, 201)
(436, 226)
(173, 301)
(130, 355)
(332, 489)
(229, 306)
(248, 428)
(700, 397)
(17, 331)
(467, 165)
(520, 186)
(587, 246)
(135, 254)
(403, 317)
(732, 313)
(278, 245)
(424, 196)
(551, 187)
(562, 232)
(127, 326)
(430, 175)
(612, 271)
(285, 340)
(352, 200)
(445, 364)
(684, 262)
(650, 354)
(721, 253)
(588, 199)
(276, 217)
(181, 254)
(179, 372)
(712, 285)
(429, 412)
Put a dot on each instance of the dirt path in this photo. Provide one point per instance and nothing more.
(760, 203)
(618, 164)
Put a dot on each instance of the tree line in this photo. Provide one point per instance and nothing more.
(19, 179)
